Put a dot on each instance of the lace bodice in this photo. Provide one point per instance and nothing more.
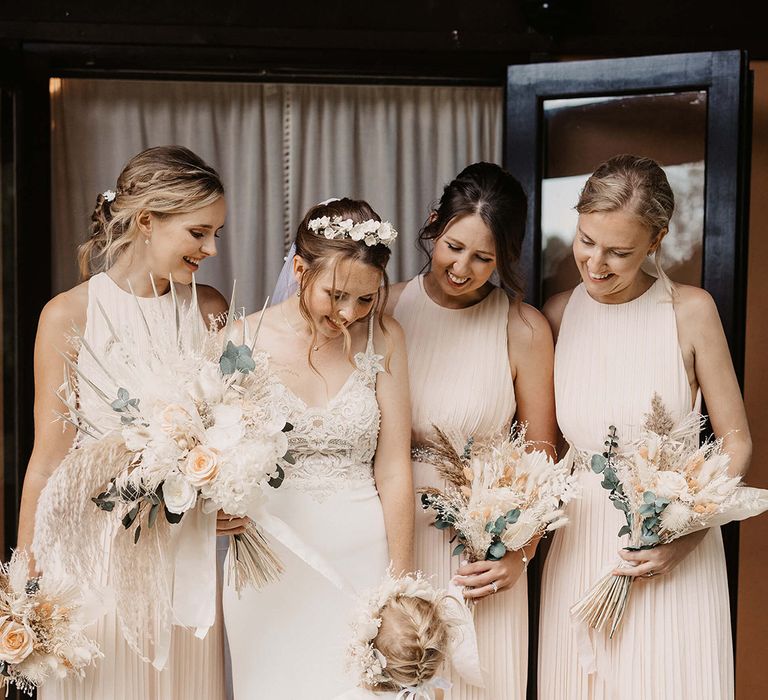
(333, 445)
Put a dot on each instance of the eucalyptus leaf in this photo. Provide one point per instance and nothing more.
(278, 478)
(496, 551)
(626, 530)
(620, 505)
(173, 518)
(288, 427)
(649, 497)
(512, 516)
(137, 534)
(152, 517)
(598, 463)
(288, 457)
(458, 549)
(130, 516)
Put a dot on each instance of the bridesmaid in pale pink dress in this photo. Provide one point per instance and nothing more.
(623, 335)
(478, 359)
(162, 219)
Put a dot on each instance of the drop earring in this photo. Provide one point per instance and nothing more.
(146, 241)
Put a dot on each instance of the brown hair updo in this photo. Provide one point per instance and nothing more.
(320, 253)
(163, 180)
(498, 199)
(636, 185)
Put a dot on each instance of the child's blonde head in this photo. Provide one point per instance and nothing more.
(413, 638)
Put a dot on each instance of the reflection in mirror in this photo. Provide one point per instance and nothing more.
(581, 133)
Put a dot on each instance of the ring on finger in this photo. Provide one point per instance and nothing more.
(495, 586)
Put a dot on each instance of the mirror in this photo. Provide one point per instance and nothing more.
(580, 133)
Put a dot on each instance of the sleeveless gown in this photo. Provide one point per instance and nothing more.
(675, 639)
(289, 639)
(195, 667)
(460, 380)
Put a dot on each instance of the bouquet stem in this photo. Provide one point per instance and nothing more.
(604, 602)
(254, 563)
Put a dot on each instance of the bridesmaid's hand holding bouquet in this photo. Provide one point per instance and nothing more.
(497, 500)
(668, 487)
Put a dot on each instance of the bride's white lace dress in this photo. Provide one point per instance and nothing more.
(288, 640)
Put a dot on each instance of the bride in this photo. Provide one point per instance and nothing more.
(340, 379)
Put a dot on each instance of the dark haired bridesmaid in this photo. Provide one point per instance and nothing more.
(478, 359)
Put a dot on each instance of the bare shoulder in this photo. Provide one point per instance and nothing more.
(393, 329)
(693, 303)
(527, 327)
(554, 308)
(211, 302)
(66, 309)
(395, 290)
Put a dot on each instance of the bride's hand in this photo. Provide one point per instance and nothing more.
(478, 577)
(230, 525)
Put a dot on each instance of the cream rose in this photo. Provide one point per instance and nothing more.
(16, 642)
(670, 485)
(201, 465)
(179, 495)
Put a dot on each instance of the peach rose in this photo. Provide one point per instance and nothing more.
(16, 642)
(201, 465)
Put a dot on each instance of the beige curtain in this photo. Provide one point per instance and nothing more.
(279, 149)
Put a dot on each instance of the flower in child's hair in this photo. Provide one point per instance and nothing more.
(16, 642)
(201, 465)
(179, 495)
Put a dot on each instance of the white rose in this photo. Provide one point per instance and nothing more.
(16, 642)
(201, 465)
(386, 232)
(208, 385)
(670, 485)
(179, 495)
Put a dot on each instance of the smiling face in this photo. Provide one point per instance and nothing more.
(609, 249)
(464, 257)
(180, 242)
(351, 298)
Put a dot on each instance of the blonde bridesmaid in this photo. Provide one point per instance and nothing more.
(162, 218)
(622, 335)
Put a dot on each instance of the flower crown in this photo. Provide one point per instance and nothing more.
(369, 662)
(370, 231)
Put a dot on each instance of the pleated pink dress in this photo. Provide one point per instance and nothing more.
(675, 639)
(461, 381)
(195, 667)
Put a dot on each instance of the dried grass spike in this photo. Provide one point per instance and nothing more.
(659, 420)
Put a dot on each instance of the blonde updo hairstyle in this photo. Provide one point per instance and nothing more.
(638, 186)
(164, 180)
(414, 638)
(321, 253)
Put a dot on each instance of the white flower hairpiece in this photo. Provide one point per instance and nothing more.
(370, 231)
(109, 195)
(369, 662)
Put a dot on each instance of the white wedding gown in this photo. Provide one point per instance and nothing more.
(288, 640)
